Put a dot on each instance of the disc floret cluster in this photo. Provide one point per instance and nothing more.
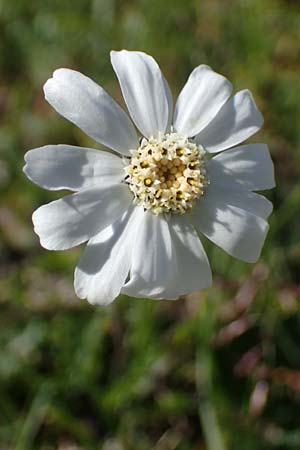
(167, 174)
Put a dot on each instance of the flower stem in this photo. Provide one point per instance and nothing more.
(207, 413)
(212, 432)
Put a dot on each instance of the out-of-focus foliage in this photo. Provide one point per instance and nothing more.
(139, 374)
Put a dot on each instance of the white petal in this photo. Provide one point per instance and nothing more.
(192, 266)
(237, 120)
(151, 268)
(104, 265)
(249, 166)
(204, 93)
(57, 167)
(231, 194)
(145, 90)
(168, 260)
(85, 103)
(74, 219)
(238, 232)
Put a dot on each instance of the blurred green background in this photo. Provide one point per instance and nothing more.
(217, 370)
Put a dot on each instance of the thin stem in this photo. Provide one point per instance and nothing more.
(204, 378)
(34, 418)
(207, 413)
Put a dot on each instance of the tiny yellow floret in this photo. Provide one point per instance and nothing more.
(167, 174)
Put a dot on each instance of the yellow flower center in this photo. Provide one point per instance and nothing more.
(167, 174)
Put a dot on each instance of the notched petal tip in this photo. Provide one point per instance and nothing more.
(46, 244)
(272, 180)
(256, 257)
(26, 168)
(57, 76)
(272, 177)
(43, 244)
(207, 67)
(26, 171)
(259, 117)
(128, 52)
(87, 294)
(78, 288)
(61, 71)
(28, 157)
(48, 87)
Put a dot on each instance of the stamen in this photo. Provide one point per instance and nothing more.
(167, 174)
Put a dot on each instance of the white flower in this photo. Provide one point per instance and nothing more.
(141, 207)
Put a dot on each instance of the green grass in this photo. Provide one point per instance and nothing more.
(142, 374)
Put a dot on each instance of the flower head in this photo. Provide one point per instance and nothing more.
(141, 207)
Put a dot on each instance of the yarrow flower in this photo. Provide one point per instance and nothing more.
(141, 206)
